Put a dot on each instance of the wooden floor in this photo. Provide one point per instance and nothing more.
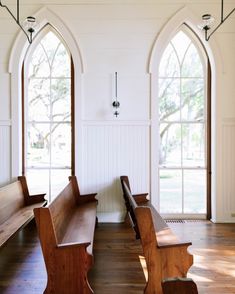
(118, 259)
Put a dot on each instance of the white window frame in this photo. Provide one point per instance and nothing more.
(184, 16)
(27, 123)
(19, 50)
(181, 122)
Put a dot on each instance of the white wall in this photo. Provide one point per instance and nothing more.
(115, 35)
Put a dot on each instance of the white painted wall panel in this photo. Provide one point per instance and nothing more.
(4, 95)
(134, 10)
(5, 152)
(110, 151)
(99, 93)
(228, 171)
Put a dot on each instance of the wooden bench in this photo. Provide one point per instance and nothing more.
(66, 232)
(16, 208)
(165, 255)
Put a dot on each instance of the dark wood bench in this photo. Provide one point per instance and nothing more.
(166, 256)
(66, 231)
(16, 208)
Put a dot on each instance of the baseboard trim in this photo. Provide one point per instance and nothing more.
(111, 217)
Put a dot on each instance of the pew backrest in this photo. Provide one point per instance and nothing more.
(60, 210)
(12, 199)
(16, 207)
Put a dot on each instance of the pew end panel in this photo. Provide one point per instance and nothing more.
(165, 255)
(30, 199)
(68, 263)
(139, 198)
(84, 197)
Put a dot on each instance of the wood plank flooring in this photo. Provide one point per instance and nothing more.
(117, 267)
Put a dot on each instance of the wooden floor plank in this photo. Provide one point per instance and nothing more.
(117, 254)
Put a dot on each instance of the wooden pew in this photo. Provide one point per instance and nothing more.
(140, 199)
(66, 232)
(165, 255)
(16, 207)
(179, 286)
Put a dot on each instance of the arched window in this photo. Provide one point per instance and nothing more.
(48, 126)
(183, 156)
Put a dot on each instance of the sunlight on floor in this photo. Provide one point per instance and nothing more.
(144, 267)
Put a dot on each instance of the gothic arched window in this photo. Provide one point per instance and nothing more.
(182, 96)
(48, 114)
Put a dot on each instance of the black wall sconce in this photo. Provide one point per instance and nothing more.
(116, 103)
(208, 19)
(28, 26)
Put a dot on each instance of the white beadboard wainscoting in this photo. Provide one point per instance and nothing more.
(5, 151)
(227, 201)
(110, 150)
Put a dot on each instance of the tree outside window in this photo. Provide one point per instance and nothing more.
(182, 128)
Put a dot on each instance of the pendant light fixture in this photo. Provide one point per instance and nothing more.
(208, 20)
(116, 103)
(28, 26)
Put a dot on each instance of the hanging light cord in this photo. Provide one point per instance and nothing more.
(17, 20)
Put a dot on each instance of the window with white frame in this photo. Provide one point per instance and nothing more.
(183, 127)
(48, 125)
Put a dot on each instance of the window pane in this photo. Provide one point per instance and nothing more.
(169, 99)
(170, 191)
(50, 44)
(61, 145)
(182, 127)
(193, 103)
(192, 65)
(195, 191)
(61, 63)
(181, 43)
(38, 145)
(48, 114)
(39, 100)
(39, 66)
(61, 99)
(193, 145)
(169, 66)
(38, 181)
(170, 148)
(59, 179)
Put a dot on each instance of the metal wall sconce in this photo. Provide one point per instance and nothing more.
(28, 26)
(116, 103)
(207, 21)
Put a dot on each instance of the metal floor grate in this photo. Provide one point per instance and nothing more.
(183, 221)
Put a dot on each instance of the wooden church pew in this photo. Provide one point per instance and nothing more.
(166, 256)
(66, 232)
